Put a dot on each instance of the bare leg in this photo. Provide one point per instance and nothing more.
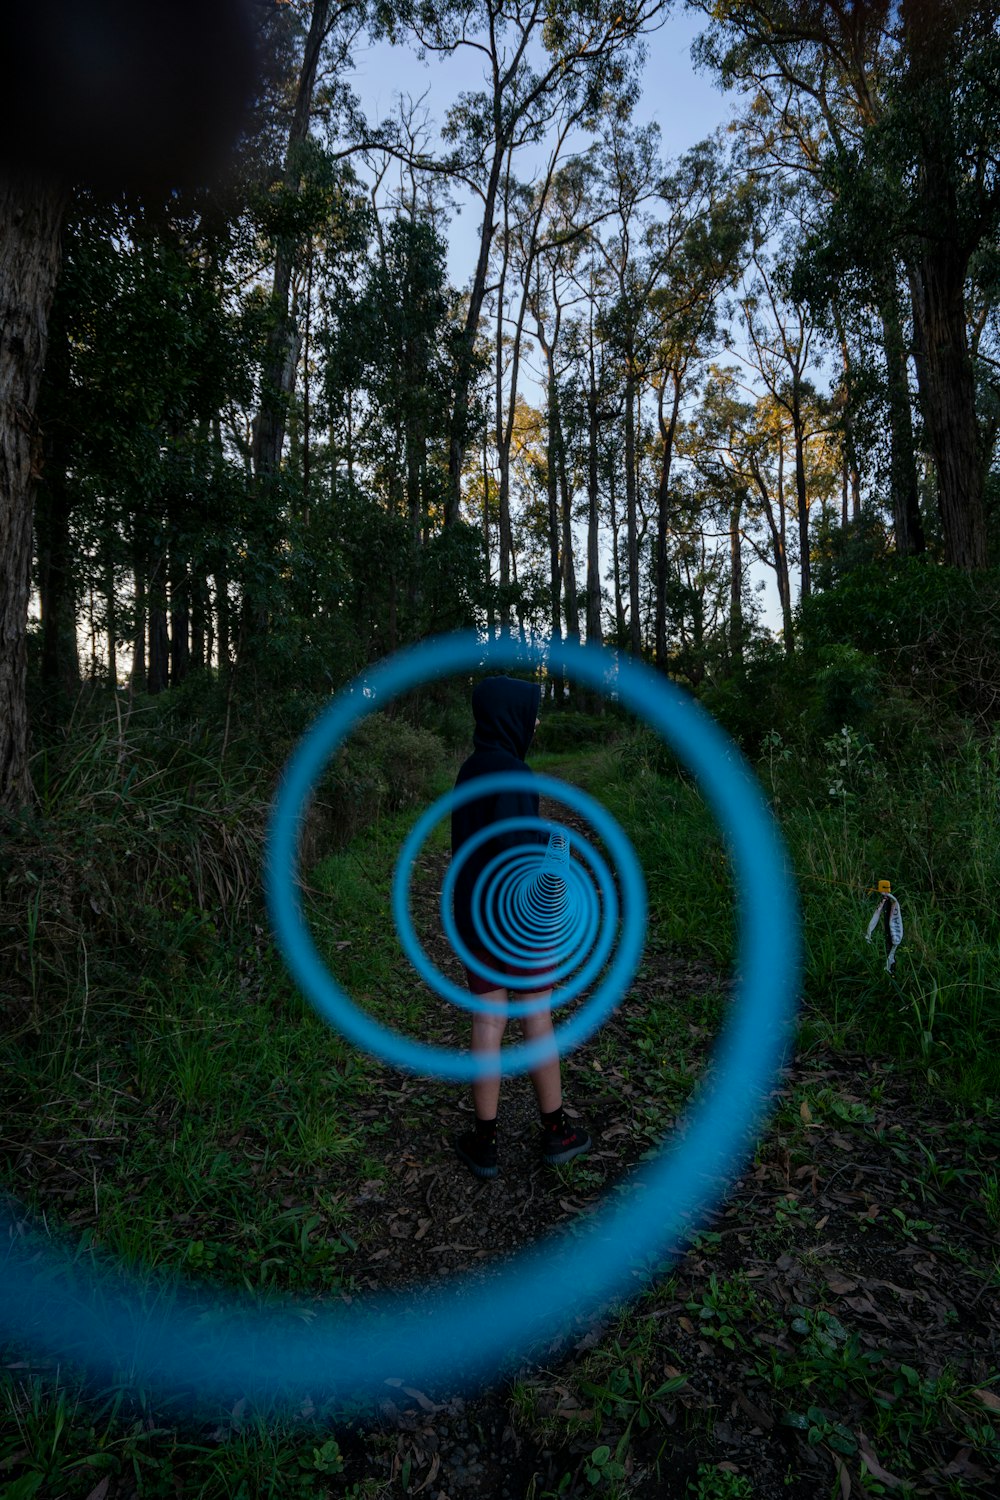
(546, 1078)
(487, 1034)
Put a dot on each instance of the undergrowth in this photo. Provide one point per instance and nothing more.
(187, 1111)
(851, 816)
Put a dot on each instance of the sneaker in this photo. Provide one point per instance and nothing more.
(478, 1155)
(562, 1144)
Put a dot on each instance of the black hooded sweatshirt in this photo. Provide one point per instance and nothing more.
(505, 710)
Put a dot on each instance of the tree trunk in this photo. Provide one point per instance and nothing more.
(281, 356)
(276, 387)
(222, 617)
(631, 514)
(137, 677)
(198, 616)
(487, 545)
(60, 655)
(180, 605)
(621, 627)
(593, 513)
(667, 432)
(736, 582)
(159, 650)
(31, 215)
(779, 554)
(907, 525)
(852, 471)
(552, 495)
(948, 397)
(801, 497)
(110, 614)
(571, 611)
(465, 354)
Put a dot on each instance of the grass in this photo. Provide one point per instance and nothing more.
(848, 820)
(190, 1113)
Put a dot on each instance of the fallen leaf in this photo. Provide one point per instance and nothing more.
(805, 1112)
(840, 1287)
(423, 1401)
(754, 1412)
(686, 1324)
(989, 1399)
(873, 1466)
(842, 1475)
(100, 1490)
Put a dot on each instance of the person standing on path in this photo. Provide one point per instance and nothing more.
(505, 710)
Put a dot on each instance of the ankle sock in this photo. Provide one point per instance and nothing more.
(486, 1130)
(554, 1120)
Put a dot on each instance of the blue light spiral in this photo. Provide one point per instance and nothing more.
(587, 916)
(618, 945)
(174, 1343)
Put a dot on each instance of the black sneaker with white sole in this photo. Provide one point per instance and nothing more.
(562, 1144)
(480, 1156)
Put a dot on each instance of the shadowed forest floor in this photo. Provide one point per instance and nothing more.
(843, 1306)
(832, 1330)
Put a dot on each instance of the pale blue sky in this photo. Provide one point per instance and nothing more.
(686, 104)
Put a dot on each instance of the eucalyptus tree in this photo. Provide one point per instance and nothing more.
(630, 173)
(56, 129)
(736, 442)
(135, 504)
(780, 338)
(700, 243)
(553, 292)
(520, 245)
(537, 59)
(909, 101)
(330, 29)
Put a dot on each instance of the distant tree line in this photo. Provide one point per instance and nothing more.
(272, 441)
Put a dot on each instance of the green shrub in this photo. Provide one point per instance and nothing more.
(562, 731)
(933, 629)
(387, 764)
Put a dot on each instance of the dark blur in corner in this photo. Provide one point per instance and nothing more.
(143, 95)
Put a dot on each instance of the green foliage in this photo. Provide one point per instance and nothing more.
(147, 842)
(571, 730)
(854, 809)
(387, 764)
(932, 629)
(716, 1483)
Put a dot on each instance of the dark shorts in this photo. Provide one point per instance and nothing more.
(480, 985)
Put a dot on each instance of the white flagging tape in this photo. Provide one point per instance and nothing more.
(894, 925)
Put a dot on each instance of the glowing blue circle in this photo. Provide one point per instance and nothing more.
(531, 929)
(624, 859)
(524, 919)
(589, 808)
(341, 1352)
(309, 969)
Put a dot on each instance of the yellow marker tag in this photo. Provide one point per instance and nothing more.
(884, 887)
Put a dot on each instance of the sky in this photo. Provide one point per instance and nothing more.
(687, 105)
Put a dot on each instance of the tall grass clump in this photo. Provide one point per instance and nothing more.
(890, 792)
(144, 846)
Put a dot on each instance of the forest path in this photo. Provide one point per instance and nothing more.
(842, 1305)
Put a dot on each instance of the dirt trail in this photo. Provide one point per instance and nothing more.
(851, 1249)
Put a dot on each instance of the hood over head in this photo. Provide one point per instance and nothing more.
(505, 710)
